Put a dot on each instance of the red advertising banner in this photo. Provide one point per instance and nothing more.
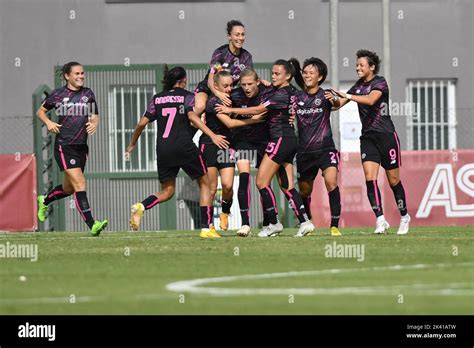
(439, 188)
(18, 192)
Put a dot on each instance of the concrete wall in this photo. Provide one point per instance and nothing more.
(42, 34)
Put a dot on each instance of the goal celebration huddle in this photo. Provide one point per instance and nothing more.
(245, 122)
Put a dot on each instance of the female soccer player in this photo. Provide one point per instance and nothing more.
(173, 110)
(281, 149)
(218, 161)
(379, 143)
(77, 112)
(316, 148)
(232, 57)
(249, 142)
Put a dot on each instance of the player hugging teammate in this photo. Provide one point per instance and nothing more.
(247, 121)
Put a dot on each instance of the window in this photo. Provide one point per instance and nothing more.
(127, 105)
(433, 124)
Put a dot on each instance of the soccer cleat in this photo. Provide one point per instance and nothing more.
(404, 225)
(335, 231)
(224, 221)
(209, 232)
(305, 228)
(271, 230)
(213, 233)
(381, 227)
(98, 227)
(244, 231)
(137, 214)
(42, 209)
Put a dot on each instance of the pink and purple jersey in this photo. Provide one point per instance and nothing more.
(376, 117)
(313, 113)
(234, 64)
(170, 110)
(73, 109)
(213, 122)
(279, 105)
(257, 132)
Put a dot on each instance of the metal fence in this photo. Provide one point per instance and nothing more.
(114, 184)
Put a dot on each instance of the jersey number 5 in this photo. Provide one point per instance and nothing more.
(170, 113)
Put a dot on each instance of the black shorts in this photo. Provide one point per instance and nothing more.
(193, 166)
(250, 150)
(216, 157)
(308, 164)
(282, 150)
(71, 156)
(382, 148)
(202, 87)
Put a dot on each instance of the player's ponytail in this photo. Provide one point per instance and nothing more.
(298, 77)
(172, 76)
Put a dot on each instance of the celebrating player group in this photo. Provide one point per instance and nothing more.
(245, 121)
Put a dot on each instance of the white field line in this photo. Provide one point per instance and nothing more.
(192, 286)
(196, 285)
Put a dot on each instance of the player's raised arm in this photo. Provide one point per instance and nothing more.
(217, 139)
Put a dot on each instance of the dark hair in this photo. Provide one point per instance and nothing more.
(372, 58)
(298, 77)
(248, 71)
(288, 65)
(319, 65)
(171, 76)
(221, 73)
(66, 69)
(233, 23)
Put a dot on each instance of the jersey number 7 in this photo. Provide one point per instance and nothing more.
(170, 113)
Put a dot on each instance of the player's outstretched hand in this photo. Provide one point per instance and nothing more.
(222, 109)
(128, 152)
(53, 127)
(266, 83)
(329, 95)
(224, 98)
(338, 93)
(220, 141)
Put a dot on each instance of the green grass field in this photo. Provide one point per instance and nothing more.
(128, 273)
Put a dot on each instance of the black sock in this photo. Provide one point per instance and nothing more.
(399, 193)
(244, 197)
(269, 204)
(375, 199)
(82, 204)
(296, 204)
(206, 216)
(226, 206)
(335, 205)
(55, 194)
(150, 202)
(307, 206)
(266, 219)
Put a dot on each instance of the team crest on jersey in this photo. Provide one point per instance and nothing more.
(84, 99)
(301, 103)
(225, 65)
(358, 91)
(364, 155)
(72, 161)
(317, 102)
(65, 99)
